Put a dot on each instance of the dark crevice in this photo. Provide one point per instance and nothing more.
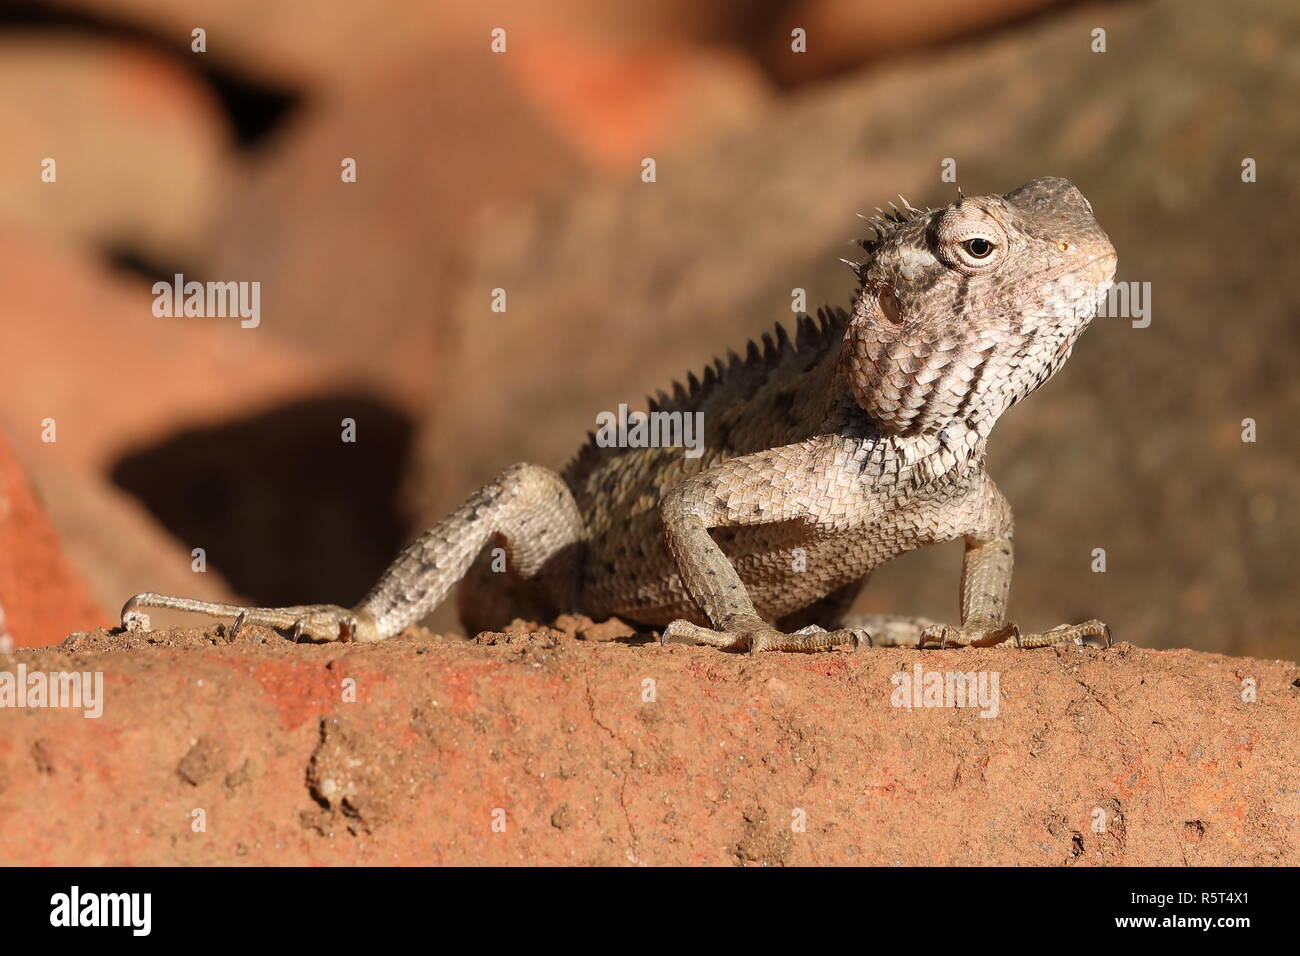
(285, 510)
(253, 109)
(123, 258)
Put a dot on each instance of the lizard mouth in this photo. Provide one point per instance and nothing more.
(1077, 288)
(1102, 267)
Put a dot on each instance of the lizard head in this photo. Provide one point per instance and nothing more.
(965, 310)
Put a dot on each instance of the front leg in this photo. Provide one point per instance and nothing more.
(528, 509)
(986, 585)
(770, 486)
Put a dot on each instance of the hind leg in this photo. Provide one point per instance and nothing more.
(528, 509)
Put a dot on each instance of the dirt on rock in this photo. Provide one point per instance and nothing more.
(590, 744)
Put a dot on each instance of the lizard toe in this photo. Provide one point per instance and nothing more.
(968, 635)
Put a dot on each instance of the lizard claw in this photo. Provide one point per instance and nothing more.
(765, 638)
(968, 635)
(1081, 635)
(317, 622)
(856, 635)
(975, 635)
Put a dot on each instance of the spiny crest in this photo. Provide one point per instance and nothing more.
(883, 226)
(810, 334)
(741, 374)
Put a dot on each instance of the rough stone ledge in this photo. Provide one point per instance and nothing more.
(1127, 756)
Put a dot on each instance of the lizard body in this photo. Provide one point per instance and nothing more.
(825, 454)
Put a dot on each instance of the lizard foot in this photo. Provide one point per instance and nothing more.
(314, 622)
(1008, 635)
(764, 638)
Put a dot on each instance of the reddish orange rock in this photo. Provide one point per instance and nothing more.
(536, 748)
(41, 597)
(615, 103)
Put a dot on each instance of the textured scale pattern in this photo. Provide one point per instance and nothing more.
(826, 453)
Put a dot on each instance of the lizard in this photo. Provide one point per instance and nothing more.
(826, 453)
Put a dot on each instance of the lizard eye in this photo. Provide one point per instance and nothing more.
(979, 250)
(969, 239)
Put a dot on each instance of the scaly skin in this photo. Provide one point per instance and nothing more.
(825, 455)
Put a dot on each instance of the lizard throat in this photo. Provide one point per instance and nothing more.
(915, 461)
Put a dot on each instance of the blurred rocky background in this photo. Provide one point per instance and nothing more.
(521, 170)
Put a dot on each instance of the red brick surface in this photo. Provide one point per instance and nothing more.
(1129, 756)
